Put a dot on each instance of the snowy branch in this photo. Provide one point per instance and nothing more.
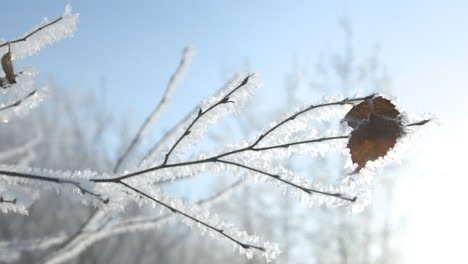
(31, 33)
(201, 113)
(161, 106)
(80, 241)
(279, 178)
(52, 179)
(251, 147)
(196, 220)
(19, 102)
(44, 34)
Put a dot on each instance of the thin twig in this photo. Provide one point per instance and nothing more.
(51, 179)
(164, 138)
(17, 103)
(287, 145)
(201, 113)
(175, 210)
(295, 115)
(216, 158)
(30, 34)
(137, 223)
(167, 135)
(279, 178)
(420, 123)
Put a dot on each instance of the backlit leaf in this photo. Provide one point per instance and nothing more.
(376, 127)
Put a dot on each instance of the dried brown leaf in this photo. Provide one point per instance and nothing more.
(376, 127)
(7, 66)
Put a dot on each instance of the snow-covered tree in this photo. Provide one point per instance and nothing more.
(174, 158)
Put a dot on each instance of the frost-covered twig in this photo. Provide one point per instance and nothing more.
(86, 238)
(251, 147)
(19, 102)
(149, 122)
(201, 113)
(279, 178)
(46, 33)
(161, 106)
(31, 33)
(312, 107)
(196, 220)
(51, 179)
(156, 147)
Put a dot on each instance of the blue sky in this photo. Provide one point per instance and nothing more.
(134, 46)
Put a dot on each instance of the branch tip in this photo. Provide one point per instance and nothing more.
(244, 82)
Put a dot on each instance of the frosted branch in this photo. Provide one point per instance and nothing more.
(270, 250)
(148, 158)
(279, 178)
(44, 34)
(149, 122)
(303, 111)
(21, 105)
(86, 238)
(184, 64)
(41, 178)
(224, 100)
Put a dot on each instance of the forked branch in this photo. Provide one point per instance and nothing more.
(201, 113)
